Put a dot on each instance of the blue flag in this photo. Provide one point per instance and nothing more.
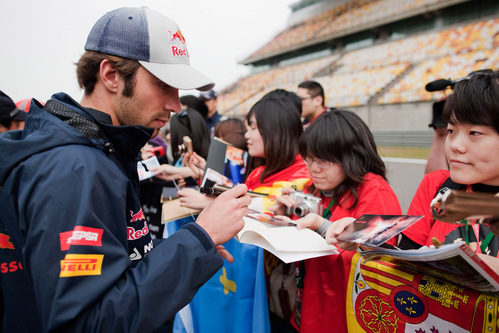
(234, 300)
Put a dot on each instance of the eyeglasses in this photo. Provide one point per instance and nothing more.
(322, 164)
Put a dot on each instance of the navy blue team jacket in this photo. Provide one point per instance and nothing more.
(76, 253)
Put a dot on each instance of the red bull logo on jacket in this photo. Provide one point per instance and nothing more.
(139, 216)
(5, 242)
(136, 234)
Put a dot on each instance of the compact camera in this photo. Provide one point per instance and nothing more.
(304, 204)
(186, 146)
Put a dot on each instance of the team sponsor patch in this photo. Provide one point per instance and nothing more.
(5, 242)
(139, 216)
(136, 234)
(11, 266)
(81, 265)
(81, 236)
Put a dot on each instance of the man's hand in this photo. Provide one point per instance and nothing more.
(223, 218)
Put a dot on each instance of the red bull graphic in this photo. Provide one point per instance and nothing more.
(179, 52)
(177, 36)
(5, 242)
(139, 216)
(81, 265)
(81, 236)
(136, 234)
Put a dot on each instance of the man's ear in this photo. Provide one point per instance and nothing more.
(318, 100)
(109, 76)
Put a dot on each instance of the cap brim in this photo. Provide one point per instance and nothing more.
(20, 116)
(180, 76)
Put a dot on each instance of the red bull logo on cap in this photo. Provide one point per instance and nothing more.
(178, 36)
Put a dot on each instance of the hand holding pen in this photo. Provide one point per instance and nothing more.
(216, 190)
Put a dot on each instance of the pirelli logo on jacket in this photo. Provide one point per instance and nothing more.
(81, 265)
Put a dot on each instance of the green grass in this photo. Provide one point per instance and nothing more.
(404, 152)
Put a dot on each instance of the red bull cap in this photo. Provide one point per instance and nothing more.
(152, 39)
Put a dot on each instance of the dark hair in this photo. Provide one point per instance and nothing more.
(189, 123)
(289, 95)
(195, 103)
(279, 124)
(6, 122)
(314, 89)
(475, 100)
(88, 68)
(341, 136)
(232, 130)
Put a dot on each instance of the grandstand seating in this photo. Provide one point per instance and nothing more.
(355, 88)
(352, 14)
(391, 72)
(240, 96)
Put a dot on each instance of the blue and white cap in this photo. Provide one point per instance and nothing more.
(152, 39)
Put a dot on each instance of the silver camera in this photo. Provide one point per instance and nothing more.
(304, 204)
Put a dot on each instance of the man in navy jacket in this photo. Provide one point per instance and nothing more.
(76, 253)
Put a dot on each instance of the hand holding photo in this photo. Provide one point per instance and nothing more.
(278, 220)
(374, 230)
(145, 167)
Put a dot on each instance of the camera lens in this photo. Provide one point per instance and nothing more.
(301, 210)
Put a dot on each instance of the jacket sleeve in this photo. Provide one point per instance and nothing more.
(92, 285)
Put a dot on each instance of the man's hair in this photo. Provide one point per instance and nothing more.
(475, 100)
(342, 137)
(88, 67)
(6, 122)
(314, 89)
(280, 126)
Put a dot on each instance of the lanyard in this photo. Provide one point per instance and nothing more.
(476, 231)
(326, 212)
(485, 242)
